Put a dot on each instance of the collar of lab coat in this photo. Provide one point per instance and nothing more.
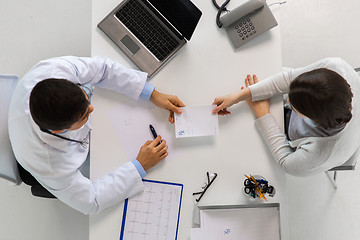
(63, 144)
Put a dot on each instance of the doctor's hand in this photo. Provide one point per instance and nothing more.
(151, 153)
(169, 102)
(260, 108)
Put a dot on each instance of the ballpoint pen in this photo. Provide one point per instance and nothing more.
(152, 129)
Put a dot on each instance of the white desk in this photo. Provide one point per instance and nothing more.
(205, 68)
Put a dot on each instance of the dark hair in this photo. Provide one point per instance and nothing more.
(56, 104)
(322, 95)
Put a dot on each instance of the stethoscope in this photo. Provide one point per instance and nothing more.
(84, 143)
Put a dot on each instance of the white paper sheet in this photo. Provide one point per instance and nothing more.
(131, 123)
(196, 121)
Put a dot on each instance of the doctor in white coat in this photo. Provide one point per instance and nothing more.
(49, 129)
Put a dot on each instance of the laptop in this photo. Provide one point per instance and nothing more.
(150, 32)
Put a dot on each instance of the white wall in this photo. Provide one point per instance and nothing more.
(29, 32)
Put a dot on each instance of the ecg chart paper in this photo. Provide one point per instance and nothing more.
(154, 213)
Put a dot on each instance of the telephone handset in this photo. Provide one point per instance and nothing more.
(246, 21)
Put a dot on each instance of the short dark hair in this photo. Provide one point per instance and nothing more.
(56, 104)
(322, 95)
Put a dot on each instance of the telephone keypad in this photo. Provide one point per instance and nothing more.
(245, 29)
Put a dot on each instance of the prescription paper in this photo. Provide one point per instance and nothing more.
(196, 121)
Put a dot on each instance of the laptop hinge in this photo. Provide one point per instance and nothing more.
(165, 21)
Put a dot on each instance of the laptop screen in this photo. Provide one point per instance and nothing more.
(182, 14)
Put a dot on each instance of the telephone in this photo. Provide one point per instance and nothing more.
(246, 21)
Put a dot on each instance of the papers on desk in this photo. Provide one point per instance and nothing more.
(196, 121)
(154, 213)
(131, 123)
(255, 222)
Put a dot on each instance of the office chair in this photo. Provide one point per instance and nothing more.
(37, 189)
(9, 168)
(348, 165)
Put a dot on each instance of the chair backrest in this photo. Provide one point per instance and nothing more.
(349, 164)
(9, 169)
(8, 165)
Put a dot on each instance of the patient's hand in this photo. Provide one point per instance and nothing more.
(260, 108)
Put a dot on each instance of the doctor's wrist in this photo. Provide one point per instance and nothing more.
(139, 168)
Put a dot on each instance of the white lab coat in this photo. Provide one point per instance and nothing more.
(55, 162)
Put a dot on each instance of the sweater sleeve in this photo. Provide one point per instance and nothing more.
(280, 82)
(275, 139)
(303, 160)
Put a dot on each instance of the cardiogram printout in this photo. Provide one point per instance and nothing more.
(196, 121)
(154, 213)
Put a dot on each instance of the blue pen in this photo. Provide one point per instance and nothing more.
(152, 129)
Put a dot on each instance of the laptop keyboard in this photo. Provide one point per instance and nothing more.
(147, 29)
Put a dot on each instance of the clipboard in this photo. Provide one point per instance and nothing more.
(154, 213)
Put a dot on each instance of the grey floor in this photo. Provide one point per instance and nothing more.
(310, 30)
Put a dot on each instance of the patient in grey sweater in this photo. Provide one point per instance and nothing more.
(324, 98)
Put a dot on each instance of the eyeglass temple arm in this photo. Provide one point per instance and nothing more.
(209, 183)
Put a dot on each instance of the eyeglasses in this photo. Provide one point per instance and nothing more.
(210, 179)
